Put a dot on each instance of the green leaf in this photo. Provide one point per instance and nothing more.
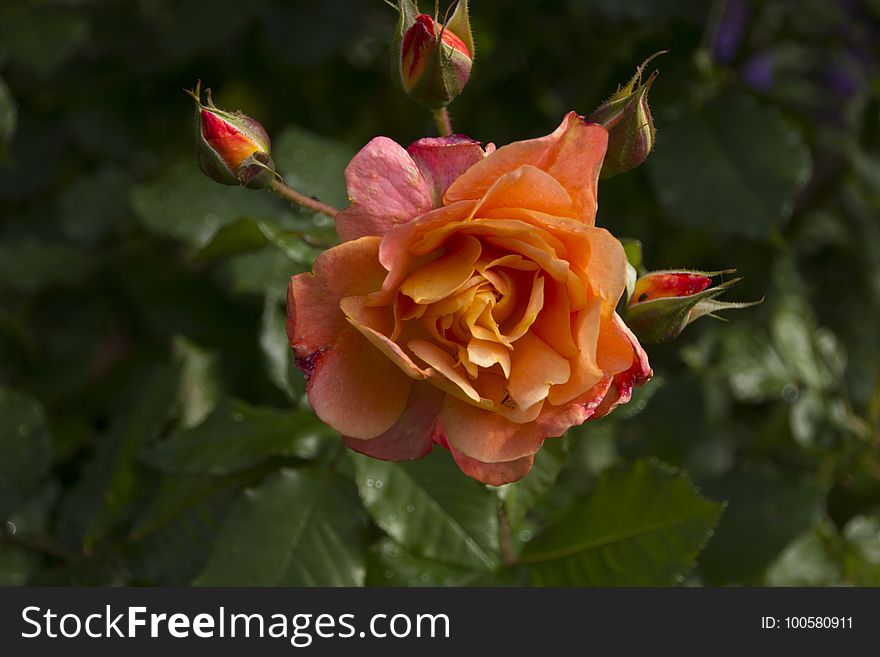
(431, 509)
(815, 358)
(241, 235)
(237, 436)
(522, 495)
(200, 389)
(806, 561)
(298, 528)
(312, 164)
(277, 355)
(42, 39)
(25, 448)
(16, 565)
(29, 265)
(92, 204)
(8, 117)
(747, 360)
(182, 203)
(268, 270)
(104, 493)
(766, 511)
(861, 557)
(388, 564)
(731, 167)
(642, 525)
(173, 536)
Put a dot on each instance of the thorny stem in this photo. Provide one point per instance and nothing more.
(297, 198)
(444, 123)
(504, 539)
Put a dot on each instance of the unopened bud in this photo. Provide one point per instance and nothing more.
(664, 302)
(232, 148)
(627, 117)
(432, 62)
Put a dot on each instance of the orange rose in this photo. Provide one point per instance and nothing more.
(471, 303)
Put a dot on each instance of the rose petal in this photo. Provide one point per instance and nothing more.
(387, 347)
(442, 362)
(541, 239)
(487, 436)
(623, 383)
(474, 183)
(443, 159)
(531, 312)
(494, 474)
(572, 154)
(442, 277)
(394, 252)
(357, 389)
(529, 188)
(535, 367)
(585, 370)
(575, 161)
(606, 267)
(314, 318)
(386, 189)
(553, 324)
(411, 436)
(486, 353)
(334, 356)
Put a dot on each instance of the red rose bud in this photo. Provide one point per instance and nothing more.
(432, 62)
(627, 117)
(232, 148)
(664, 302)
(659, 284)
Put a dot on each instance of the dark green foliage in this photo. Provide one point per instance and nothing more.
(153, 427)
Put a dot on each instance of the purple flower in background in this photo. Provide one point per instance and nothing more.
(759, 71)
(729, 30)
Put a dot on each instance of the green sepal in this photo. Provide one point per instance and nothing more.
(407, 12)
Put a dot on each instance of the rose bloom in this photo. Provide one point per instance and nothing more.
(471, 303)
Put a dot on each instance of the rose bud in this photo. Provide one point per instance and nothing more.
(627, 117)
(432, 62)
(232, 148)
(664, 302)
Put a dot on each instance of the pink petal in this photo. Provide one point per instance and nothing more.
(443, 159)
(411, 436)
(386, 189)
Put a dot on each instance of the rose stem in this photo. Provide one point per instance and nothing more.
(444, 124)
(297, 198)
(504, 538)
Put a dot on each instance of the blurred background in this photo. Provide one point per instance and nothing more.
(152, 427)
